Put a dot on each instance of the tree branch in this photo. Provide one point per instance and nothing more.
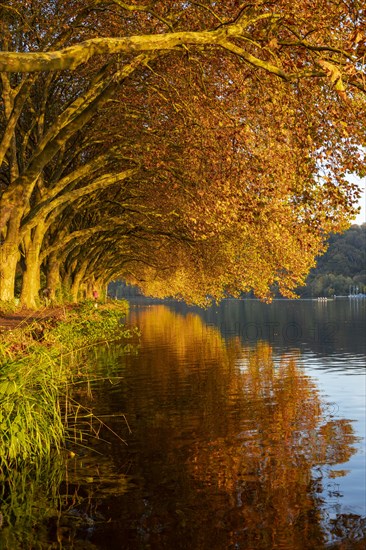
(73, 56)
(102, 182)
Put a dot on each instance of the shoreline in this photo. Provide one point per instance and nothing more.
(40, 352)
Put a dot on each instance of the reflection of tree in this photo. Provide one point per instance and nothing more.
(183, 356)
(350, 532)
(230, 447)
(267, 466)
(250, 431)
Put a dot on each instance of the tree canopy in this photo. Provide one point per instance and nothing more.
(196, 148)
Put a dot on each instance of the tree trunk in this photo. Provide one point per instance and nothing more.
(75, 287)
(31, 283)
(31, 279)
(53, 280)
(77, 280)
(9, 255)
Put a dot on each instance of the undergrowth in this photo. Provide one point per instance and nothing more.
(8, 306)
(38, 367)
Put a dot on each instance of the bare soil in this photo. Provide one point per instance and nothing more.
(18, 319)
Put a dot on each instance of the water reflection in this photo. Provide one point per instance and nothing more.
(230, 445)
(323, 327)
(56, 504)
(266, 470)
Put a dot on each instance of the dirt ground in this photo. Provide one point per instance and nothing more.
(10, 321)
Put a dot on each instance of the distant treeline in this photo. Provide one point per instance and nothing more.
(121, 289)
(342, 269)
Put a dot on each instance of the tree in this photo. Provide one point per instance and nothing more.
(234, 125)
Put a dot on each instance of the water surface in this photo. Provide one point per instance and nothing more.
(244, 428)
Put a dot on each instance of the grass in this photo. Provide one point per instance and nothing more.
(8, 307)
(38, 367)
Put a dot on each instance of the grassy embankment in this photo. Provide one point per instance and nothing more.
(39, 364)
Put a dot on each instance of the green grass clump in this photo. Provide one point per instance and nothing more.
(8, 306)
(30, 415)
(37, 367)
(88, 325)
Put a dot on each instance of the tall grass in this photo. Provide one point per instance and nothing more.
(38, 365)
(30, 415)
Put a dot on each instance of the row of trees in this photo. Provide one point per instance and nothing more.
(342, 269)
(196, 148)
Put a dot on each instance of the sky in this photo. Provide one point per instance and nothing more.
(361, 218)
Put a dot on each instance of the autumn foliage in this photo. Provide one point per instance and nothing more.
(195, 148)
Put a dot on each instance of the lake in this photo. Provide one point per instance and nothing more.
(237, 427)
